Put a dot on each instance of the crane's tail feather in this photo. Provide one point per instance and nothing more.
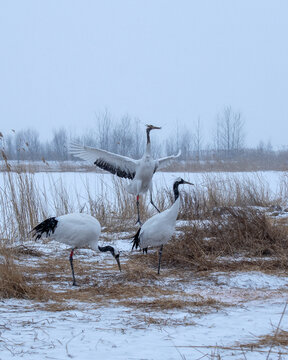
(47, 226)
(136, 240)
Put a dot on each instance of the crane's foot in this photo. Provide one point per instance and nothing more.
(138, 222)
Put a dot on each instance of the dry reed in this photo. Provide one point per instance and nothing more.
(14, 284)
(238, 238)
(233, 227)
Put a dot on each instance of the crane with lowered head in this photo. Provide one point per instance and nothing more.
(76, 230)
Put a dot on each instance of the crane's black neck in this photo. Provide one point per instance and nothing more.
(176, 190)
(148, 135)
(107, 248)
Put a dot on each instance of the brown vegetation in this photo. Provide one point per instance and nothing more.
(227, 229)
(236, 238)
(14, 284)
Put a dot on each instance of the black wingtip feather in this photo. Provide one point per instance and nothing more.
(102, 164)
(47, 226)
(136, 240)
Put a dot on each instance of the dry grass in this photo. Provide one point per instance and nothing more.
(116, 291)
(135, 272)
(170, 303)
(158, 321)
(242, 237)
(279, 337)
(14, 284)
(58, 306)
(24, 203)
(234, 237)
(25, 250)
(100, 285)
(269, 340)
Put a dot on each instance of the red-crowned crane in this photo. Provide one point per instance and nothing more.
(139, 171)
(76, 230)
(158, 230)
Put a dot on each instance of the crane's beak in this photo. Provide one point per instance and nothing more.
(152, 127)
(118, 261)
(187, 182)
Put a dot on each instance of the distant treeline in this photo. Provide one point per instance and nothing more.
(127, 137)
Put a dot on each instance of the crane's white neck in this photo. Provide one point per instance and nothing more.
(175, 207)
(176, 204)
(148, 149)
(173, 211)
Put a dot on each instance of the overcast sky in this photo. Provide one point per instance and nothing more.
(160, 61)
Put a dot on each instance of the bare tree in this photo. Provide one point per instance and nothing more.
(186, 144)
(104, 123)
(7, 144)
(170, 145)
(198, 139)
(229, 134)
(33, 144)
(122, 137)
(138, 137)
(27, 145)
(59, 145)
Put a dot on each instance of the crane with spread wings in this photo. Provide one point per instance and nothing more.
(140, 172)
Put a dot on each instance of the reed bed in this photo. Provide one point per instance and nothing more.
(227, 228)
(226, 217)
(24, 201)
(241, 238)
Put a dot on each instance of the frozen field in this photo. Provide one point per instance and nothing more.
(77, 184)
(112, 315)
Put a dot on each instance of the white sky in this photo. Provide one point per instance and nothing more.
(161, 61)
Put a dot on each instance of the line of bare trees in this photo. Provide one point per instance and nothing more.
(127, 137)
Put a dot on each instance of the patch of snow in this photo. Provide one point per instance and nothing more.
(252, 280)
(118, 333)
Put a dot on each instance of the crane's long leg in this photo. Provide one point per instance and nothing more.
(72, 267)
(138, 211)
(151, 201)
(160, 255)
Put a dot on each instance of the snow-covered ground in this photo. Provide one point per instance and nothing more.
(251, 306)
(240, 306)
(119, 333)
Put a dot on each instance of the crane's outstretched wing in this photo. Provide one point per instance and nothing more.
(166, 161)
(119, 165)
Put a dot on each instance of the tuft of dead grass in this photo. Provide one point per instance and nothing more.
(269, 340)
(117, 290)
(13, 283)
(25, 250)
(158, 321)
(135, 272)
(58, 306)
(196, 305)
(248, 231)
